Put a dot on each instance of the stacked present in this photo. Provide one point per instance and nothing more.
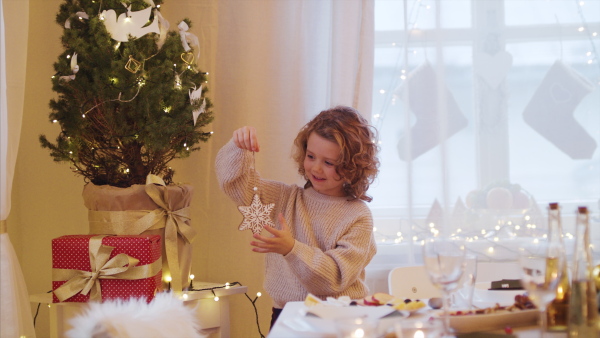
(99, 267)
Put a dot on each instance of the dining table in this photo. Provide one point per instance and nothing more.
(296, 321)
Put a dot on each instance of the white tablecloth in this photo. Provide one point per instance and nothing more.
(295, 310)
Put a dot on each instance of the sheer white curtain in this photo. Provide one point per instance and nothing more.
(487, 112)
(15, 309)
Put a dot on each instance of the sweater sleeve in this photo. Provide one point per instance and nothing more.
(237, 178)
(232, 167)
(333, 271)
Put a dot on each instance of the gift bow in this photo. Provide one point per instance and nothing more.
(188, 38)
(137, 221)
(122, 266)
(174, 224)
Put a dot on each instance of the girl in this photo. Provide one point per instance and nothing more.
(325, 235)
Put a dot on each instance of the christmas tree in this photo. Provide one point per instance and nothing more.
(130, 98)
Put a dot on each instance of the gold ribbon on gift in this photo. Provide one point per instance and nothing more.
(122, 266)
(138, 221)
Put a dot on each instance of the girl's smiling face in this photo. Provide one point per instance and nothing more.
(319, 165)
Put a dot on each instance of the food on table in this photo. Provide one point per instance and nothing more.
(436, 302)
(311, 300)
(407, 304)
(522, 302)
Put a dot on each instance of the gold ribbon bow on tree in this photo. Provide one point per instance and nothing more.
(137, 221)
(122, 266)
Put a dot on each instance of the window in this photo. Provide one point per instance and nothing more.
(486, 113)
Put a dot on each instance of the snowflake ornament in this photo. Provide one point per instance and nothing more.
(256, 215)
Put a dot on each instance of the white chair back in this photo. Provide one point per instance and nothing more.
(411, 282)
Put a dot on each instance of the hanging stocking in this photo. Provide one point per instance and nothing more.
(550, 111)
(422, 85)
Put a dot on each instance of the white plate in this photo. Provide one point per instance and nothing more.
(493, 321)
(320, 319)
(337, 312)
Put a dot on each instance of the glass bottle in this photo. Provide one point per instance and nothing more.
(583, 306)
(558, 309)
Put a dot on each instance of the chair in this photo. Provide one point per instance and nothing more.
(411, 282)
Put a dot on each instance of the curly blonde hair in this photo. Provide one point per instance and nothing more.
(358, 164)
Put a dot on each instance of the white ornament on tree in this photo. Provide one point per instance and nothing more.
(195, 96)
(130, 23)
(188, 38)
(79, 15)
(74, 69)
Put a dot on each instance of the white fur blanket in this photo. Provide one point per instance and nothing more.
(164, 316)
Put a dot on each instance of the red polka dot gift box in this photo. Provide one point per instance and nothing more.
(102, 267)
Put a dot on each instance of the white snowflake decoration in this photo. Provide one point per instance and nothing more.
(256, 215)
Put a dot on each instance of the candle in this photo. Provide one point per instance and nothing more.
(168, 280)
(192, 281)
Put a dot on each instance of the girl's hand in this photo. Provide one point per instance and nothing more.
(245, 138)
(281, 242)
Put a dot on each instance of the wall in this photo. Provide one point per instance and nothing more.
(47, 199)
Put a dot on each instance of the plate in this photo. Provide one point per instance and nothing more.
(493, 321)
(320, 320)
(337, 312)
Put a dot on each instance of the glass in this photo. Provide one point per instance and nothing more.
(355, 328)
(418, 328)
(541, 263)
(463, 296)
(444, 259)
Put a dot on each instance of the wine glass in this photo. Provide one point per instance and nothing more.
(541, 265)
(463, 296)
(444, 259)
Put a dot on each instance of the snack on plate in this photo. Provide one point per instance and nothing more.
(380, 298)
(522, 302)
(407, 304)
(311, 300)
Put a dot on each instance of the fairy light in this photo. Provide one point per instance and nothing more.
(54, 121)
(382, 91)
(68, 56)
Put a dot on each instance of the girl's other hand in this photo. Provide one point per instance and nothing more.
(245, 138)
(280, 242)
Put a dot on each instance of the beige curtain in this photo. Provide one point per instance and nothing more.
(277, 64)
(15, 310)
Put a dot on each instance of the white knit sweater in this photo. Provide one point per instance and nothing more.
(333, 235)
